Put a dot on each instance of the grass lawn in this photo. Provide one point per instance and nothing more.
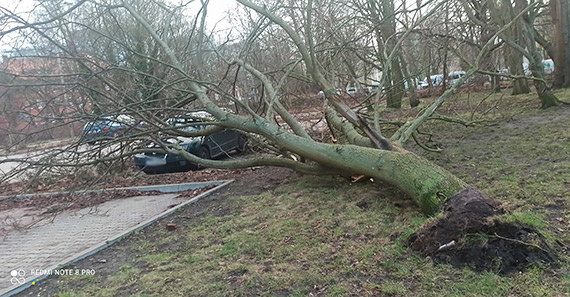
(323, 236)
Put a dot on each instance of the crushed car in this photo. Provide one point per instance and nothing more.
(213, 146)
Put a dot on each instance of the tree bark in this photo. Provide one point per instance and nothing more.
(428, 69)
(515, 62)
(396, 91)
(412, 97)
(513, 57)
(426, 183)
(396, 79)
(560, 10)
(496, 84)
(547, 98)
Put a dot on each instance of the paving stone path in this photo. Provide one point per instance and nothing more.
(50, 242)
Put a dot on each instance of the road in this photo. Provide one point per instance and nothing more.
(16, 167)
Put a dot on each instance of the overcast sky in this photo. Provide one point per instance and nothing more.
(217, 11)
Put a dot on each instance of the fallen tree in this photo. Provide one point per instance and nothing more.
(367, 152)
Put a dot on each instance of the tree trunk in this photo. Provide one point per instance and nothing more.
(425, 182)
(414, 101)
(445, 51)
(444, 78)
(547, 98)
(560, 10)
(520, 86)
(496, 84)
(428, 69)
(413, 98)
(396, 79)
(513, 57)
(545, 95)
(515, 61)
(396, 92)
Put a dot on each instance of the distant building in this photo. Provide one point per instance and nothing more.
(34, 96)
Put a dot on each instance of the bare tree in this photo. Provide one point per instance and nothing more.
(528, 48)
(547, 98)
(187, 85)
(560, 12)
(171, 71)
(503, 13)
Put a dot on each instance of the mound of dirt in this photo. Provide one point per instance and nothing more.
(470, 234)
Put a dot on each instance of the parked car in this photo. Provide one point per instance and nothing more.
(107, 127)
(207, 147)
(416, 81)
(322, 93)
(454, 76)
(351, 91)
(436, 80)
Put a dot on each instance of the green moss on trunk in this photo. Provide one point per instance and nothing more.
(425, 182)
(547, 98)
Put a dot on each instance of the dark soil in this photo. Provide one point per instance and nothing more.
(470, 233)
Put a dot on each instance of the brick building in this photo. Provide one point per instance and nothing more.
(38, 99)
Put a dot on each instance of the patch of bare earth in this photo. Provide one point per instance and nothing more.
(470, 234)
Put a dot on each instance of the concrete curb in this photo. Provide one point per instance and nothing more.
(171, 188)
(102, 245)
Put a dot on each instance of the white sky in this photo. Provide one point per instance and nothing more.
(217, 11)
(22, 8)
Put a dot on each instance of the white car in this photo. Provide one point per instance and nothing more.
(454, 76)
(436, 80)
(321, 93)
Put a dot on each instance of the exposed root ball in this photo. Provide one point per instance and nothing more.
(470, 234)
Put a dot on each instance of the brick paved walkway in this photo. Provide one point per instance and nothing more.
(49, 242)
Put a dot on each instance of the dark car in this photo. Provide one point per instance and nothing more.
(207, 147)
(105, 128)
